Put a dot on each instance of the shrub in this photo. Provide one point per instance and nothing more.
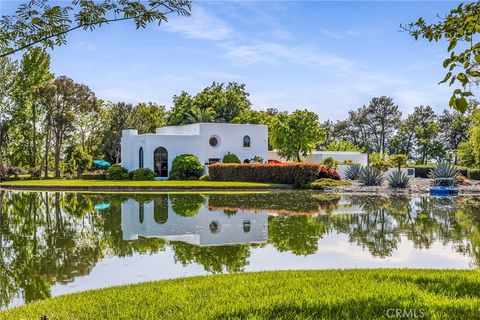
(142, 174)
(298, 174)
(230, 158)
(13, 171)
(258, 159)
(93, 176)
(321, 184)
(329, 162)
(473, 174)
(205, 177)
(380, 164)
(353, 172)
(398, 179)
(398, 160)
(421, 171)
(117, 172)
(186, 167)
(327, 173)
(444, 170)
(371, 176)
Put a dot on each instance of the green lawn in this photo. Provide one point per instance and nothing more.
(130, 183)
(332, 294)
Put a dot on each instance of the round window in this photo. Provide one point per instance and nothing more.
(214, 227)
(213, 141)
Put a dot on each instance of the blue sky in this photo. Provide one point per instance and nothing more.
(328, 57)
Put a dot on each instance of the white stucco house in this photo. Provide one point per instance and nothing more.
(208, 141)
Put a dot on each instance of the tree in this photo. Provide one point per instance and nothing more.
(79, 160)
(34, 71)
(8, 74)
(459, 28)
(404, 140)
(295, 135)
(223, 104)
(342, 145)
(146, 117)
(38, 23)
(201, 115)
(118, 118)
(427, 132)
(67, 100)
(383, 117)
(454, 129)
(469, 150)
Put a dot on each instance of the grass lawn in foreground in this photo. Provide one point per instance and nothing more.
(130, 183)
(327, 294)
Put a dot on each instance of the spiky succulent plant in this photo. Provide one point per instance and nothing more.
(353, 172)
(371, 176)
(444, 170)
(398, 179)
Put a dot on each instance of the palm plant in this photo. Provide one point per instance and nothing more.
(444, 170)
(371, 176)
(398, 179)
(198, 114)
(353, 172)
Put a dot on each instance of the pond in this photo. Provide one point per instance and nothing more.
(57, 243)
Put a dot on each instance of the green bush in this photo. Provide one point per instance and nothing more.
(117, 172)
(421, 171)
(473, 174)
(205, 177)
(380, 164)
(93, 176)
(230, 158)
(398, 160)
(186, 167)
(142, 174)
(329, 162)
(321, 184)
(298, 174)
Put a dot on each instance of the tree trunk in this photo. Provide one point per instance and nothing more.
(58, 146)
(47, 150)
(34, 122)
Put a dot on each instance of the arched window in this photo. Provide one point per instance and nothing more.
(160, 162)
(246, 142)
(141, 213)
(246, 226)
(140, 157)
(160, 209)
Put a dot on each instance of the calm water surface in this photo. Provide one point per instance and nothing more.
(57, 243)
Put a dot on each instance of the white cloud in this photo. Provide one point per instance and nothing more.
(201, 25)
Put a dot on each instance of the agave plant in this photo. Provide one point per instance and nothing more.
(398, 179)
(353, 172)
(444, 170)
(371, 176)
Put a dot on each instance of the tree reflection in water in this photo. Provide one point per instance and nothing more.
(49, 238)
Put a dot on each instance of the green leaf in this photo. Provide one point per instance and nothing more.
(477, 58)
(447, 76)
(452, 45)
(461, 105)
(467, 94)
(457, 91)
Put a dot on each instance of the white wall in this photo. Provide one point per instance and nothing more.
(194, 139)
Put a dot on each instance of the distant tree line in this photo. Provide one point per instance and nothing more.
(52, 125)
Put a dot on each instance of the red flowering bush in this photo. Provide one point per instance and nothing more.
(328, 173)
(298, 174)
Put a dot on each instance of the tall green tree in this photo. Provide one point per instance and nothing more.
(68, 100)
(459, 27)
(34, 71)
(296, 135)
(146, 117)
(8, 75)
(118, 118)
(454, 129)
(47, 23)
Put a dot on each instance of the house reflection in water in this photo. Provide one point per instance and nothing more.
(203, 227)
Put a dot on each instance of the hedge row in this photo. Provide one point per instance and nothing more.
(473, 174)
(297, 174)
(421, 171)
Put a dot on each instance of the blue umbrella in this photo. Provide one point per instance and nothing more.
(102, 206)
(102, 163)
